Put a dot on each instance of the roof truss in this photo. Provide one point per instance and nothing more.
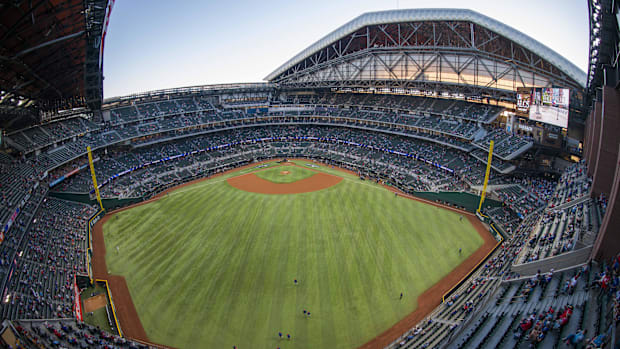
(493, 55)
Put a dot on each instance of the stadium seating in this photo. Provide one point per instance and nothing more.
(37, 137)
(506, 146)
(66, 333)
(435, 180)
(414, 104)
(51, 250)
(418, 144)
(148, 119)
(545, 309)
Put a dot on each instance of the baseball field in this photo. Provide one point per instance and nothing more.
(213, 264)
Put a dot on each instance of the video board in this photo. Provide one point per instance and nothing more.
(548, 105)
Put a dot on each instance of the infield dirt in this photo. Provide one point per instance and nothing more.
(254, 184)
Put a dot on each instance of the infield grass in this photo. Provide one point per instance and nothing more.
(210, 266)
(284, 174)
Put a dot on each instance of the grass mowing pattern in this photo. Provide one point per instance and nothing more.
(294, 174)
(212, 266)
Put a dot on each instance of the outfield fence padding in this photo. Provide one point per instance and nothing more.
(108, 203)
(89, 249)
(467, 201)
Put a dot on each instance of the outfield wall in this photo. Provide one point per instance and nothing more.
(464, 200)
(467, 201)
(108, 204)
(89, 249)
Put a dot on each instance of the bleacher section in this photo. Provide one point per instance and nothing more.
(414, 104)
(506, 146)
(576, 307)
(51, 250)
(37, 137)
(66, 333)
(412, 172)
(64, 140)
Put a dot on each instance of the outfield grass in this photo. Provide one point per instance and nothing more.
(285, 174)
(212, 266)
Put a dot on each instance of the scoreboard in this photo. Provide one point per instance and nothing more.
(547, 104)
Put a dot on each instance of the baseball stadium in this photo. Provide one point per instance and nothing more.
(416, 178)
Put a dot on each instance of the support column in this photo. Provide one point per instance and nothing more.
(587, 138)
(609, 139)
(607, 242)
(594, 140)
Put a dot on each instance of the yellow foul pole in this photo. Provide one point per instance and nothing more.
(486, 176)
(92, 172)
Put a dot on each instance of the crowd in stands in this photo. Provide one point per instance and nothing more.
(541, 218)
(526, 195)
(43, 135)
(420, 105)
(574, 184)
(559, 230)
(64, 140)
(537, 309)
(398, 167)
(506, 146)
(570, 218)
(578, 307)
(423, 176)
(51, 251)
(64, 333)
(17, 181)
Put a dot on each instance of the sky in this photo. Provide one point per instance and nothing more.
(157, 44)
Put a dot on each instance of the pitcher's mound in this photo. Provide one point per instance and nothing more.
(254, 184)
(94, 303)
(285, 172)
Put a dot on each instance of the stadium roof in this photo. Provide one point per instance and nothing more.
(50, 52)
(417, 15)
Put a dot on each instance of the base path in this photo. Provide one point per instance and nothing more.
(254, 184)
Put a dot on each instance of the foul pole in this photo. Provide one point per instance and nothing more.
(486, 177)
(92, 172)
